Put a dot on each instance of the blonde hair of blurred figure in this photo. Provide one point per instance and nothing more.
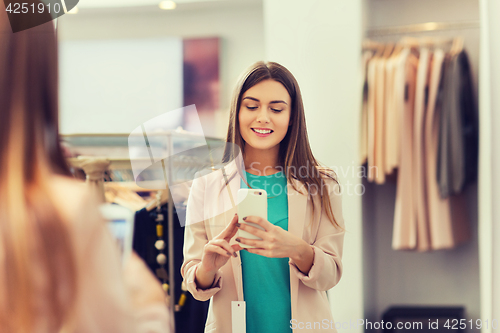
(30, 225)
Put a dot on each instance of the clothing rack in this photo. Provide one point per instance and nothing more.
(117, 149)
(421, 27)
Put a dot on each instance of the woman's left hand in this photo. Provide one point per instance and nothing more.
(276, 242)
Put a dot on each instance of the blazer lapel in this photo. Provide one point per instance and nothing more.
(230, 196)
(297, 204)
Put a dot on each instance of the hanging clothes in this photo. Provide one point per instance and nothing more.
(459, 138)
(419, 117)
(419, 184)
(375, 118)
(447, 217)
(398, 106)
(379, 138)
(391, 125)
(144, 240)
(367, 55)
(370, 110)
(404, 234)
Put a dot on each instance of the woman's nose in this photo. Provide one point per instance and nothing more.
(262, 116)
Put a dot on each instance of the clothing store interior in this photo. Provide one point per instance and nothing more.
(398, 98)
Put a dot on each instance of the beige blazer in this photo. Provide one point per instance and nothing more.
(404, 236)
(419, 157)
(211, 206)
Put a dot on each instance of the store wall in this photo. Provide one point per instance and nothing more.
(320, 42)
(445, 277)
(494, 42)
(238, 24)
(114, 85)
(489, 183)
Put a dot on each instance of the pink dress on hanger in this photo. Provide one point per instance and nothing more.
(370, 112)
(399, 106)
(404, 233)
(379, 138)
(367, 55)
(390, 114)
(423, 238)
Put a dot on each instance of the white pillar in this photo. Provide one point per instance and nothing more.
(489, 163)
(320, 43)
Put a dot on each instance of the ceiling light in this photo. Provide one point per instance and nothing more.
(167, 5)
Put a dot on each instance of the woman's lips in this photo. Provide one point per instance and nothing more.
(261, 134)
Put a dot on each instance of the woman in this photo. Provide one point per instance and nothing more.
(60, 266)
(283, 279)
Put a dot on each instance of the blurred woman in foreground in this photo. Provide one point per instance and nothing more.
(60, 269)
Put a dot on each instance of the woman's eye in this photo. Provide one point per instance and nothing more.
(276, 110)
(251, 107)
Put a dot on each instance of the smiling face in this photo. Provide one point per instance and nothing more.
(264, 115)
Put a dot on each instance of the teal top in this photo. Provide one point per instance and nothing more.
(266, 281)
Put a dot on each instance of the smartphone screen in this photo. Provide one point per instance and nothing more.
(251, 202)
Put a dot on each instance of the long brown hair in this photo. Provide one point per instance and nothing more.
(294, 152)
(31, 227)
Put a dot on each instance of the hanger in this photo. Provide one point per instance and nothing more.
(369, 44)
(389, 48)
(397, 49)
(424, 41)
(410, 41)
(379, 51)
(457, 46)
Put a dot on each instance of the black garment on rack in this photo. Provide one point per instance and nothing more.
(192, 316)
(458, 146)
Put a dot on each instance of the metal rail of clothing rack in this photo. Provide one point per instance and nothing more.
(421, 27)
(117, 146)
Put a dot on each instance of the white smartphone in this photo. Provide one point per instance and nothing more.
(120, 221)
(251, 202)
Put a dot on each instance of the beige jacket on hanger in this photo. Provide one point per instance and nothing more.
(210, 209)
(389, 115)
(404, 232)
(379, 138)
(376, 119)
(370, 116)
(367, 55)
(395, 109)
(447, 217)
(419, 157)
(399, 103)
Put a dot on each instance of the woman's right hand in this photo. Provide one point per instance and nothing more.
(217, 251)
